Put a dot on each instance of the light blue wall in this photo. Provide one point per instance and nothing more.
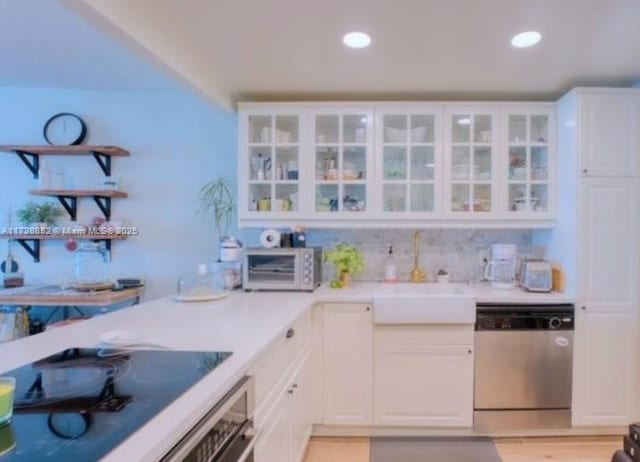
(177, 144)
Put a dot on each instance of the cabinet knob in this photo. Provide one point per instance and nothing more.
(291, 333)
(470, 351)
(584, 308)
(585, 170)
(368, 308)
(295, 385)
(290, 391)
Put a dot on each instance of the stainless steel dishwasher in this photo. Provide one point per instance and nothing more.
(523, 368)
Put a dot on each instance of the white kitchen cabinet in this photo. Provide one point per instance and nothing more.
(341, 149)
(423, 376)
(271, 159)
(609, 138)
(409, 162)
(288, 425)
(527, 172)
(347, 364)
(471, 161)
(606, 370)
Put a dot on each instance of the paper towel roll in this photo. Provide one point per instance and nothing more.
(270, 238)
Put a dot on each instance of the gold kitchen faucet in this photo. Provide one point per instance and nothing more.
(417, 275)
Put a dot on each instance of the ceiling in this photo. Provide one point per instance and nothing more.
(233, 50)
(44, 44)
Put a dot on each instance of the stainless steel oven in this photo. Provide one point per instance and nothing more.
(225, 433)
(523, 369)
(282, 268)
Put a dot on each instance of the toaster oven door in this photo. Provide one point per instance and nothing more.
(272, 271)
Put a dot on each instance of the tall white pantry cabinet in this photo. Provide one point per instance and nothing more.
(597, 240)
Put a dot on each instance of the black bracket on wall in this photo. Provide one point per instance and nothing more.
(103, 161)
(32, 246)
(70, 204)
(104, 203)
(32, 161)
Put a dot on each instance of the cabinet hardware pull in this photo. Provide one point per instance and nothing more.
(586, 170)
(584, 308)
(470, 351)
(291, 333)
(368, 308)
(295, 385)
(290, 391)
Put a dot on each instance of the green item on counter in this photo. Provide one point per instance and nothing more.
(345, 258)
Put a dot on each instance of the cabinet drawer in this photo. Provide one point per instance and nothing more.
(424, 335)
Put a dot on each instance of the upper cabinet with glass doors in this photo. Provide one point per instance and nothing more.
(471, 162)
(528, 171)
(271, 163)
(408, 159)
(341, 155)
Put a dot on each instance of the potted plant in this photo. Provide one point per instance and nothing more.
(347, 261)
(218, 201)
(44, 214)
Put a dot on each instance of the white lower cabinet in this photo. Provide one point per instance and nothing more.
(347, 364)
(423, 376)
(287, 427)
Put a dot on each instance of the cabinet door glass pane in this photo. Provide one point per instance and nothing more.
(395, 197)
(482, 163)
(259, 198)
(517, 128)
(422, 198)
(286, 164)
(460, 197)
(539, 129)
(327, 129)
(355, 163)
(517, 163)
(539, 197)
(354, 128)
(286, 129)
(286, 198)
(354, 199)
(482, 128)
(461, 128)
(260, 164)
(423, 129)
(518, 198)
(395, 128)
(260, 129)
(327, 198)
(460, 162)
(482, 198)
(395, 163)
(422, 163)
(539, 164)
(327, 164)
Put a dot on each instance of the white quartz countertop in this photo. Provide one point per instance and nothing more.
(243, 323)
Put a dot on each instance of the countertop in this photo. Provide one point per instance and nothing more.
(244, 323)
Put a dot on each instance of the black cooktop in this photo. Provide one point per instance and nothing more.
(77, 405)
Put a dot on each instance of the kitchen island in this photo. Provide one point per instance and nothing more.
(246, 324)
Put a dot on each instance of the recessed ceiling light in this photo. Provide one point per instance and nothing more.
(526, 39)
(356, 40)
(464, 121)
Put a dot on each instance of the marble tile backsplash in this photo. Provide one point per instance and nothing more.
(460, 252)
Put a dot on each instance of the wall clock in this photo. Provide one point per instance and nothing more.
(65, 129)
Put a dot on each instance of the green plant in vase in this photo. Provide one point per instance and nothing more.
(347, 260)
(33, 213)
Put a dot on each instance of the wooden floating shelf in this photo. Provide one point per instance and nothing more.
(64, 237)
(78, 193)
(80, 150)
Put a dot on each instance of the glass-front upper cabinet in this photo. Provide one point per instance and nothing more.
(528, 171)
(270, 163)
(341, 154)
(470, 162)
(408, 159)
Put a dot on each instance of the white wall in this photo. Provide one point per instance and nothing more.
(177, 144)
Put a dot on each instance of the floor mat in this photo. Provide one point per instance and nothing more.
(428, 449)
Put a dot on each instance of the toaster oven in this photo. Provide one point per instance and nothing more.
(282, 268)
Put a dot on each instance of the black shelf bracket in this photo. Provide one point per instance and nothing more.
(31, 160)
(70, 204)
(32, 246)
(104, 162)
(104, 203)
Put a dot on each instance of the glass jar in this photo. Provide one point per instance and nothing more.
(92, 264)
(203, 285)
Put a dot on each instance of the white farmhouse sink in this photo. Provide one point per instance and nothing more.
(423, 304)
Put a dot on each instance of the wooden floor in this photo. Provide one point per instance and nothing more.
(563, 449)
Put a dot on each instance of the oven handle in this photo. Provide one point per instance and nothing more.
(254, 434)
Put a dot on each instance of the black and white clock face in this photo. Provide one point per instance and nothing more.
(65, 130)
